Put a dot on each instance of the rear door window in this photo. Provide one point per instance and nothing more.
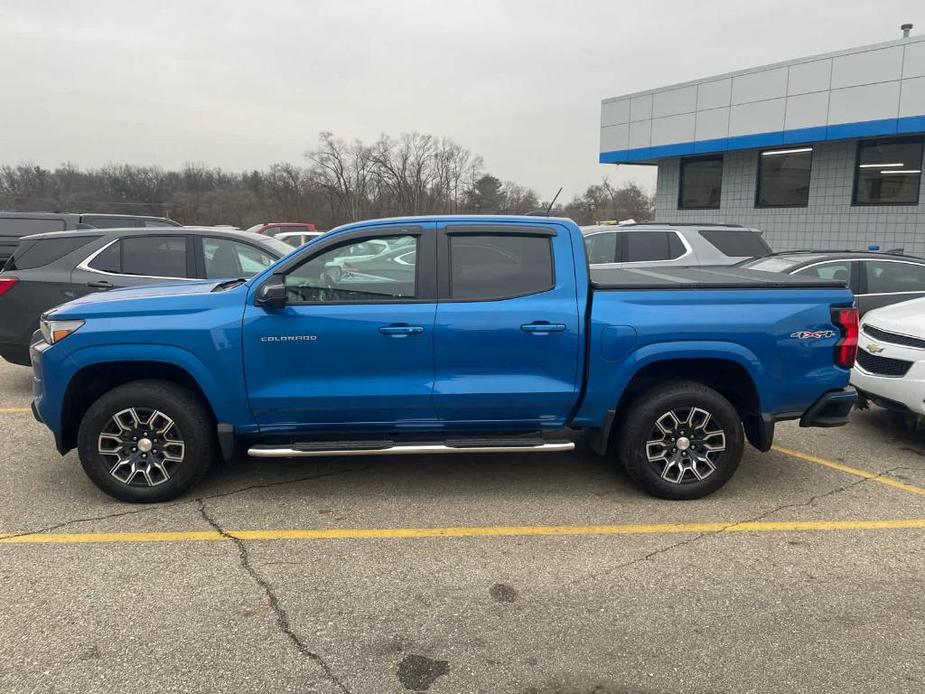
(736, 243)
(641, 246)
(227, 258)
(836, 270)
(602, 247)
(499, 266)
(154, 256)
(41, 252)
(885, 277)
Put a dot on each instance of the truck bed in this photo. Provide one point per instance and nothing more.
(701, 278)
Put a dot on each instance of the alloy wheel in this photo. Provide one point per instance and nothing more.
(685, 445)
(143, 445)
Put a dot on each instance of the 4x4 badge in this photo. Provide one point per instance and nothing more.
(812, 334)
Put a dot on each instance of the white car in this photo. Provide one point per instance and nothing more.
(890, 367)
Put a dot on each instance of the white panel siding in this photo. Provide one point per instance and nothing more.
(810, 77)
(757, 86)
(914, 60)
(714, 94)
(640, 133)
(615, 112)
(641, 107)
(615, 137)
(912, 102)
(671, 129)
(867, 67)
(674, 101)
(757, 117)
(867, 102)
(712, 124)
(807, 110)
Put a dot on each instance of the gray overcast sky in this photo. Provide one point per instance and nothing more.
(242, 84)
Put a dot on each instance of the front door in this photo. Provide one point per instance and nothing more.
(354, 345)
(508, 327)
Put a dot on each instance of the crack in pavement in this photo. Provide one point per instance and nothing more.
(171, 504)
(282, 617)
(783, 507)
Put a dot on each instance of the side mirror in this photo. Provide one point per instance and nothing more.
(272, 293)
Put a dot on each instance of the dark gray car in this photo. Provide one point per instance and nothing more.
(50, 269)
(15, 225)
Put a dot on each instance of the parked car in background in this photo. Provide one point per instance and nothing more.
(890, 366)
(297, 238)
(49, 269)
(876, 278)
(626, 245)
(274, 228)
(14, 225)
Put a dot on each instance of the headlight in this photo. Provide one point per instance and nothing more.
(56, 330)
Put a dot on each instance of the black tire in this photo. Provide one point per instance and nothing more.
(674, 476)
(166, 479)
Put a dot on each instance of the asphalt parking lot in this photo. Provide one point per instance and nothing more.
(526, 574)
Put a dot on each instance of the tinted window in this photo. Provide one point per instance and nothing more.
(783, 177)
(367, 270)
(41, 252)
(23, 226)
(109, 259)
(839, 270)
(111, 222)
(160, 223)
(226, 258)
(701, 183)
(736, 243)
(602, 248)
(889, 172)
(889, 278)
(641, 246)
(155, 256)
(495, 267)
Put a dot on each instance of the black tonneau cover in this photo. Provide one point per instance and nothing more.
(701, 278)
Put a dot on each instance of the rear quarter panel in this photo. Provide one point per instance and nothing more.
(752, 327)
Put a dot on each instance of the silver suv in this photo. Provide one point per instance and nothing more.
(652, 243)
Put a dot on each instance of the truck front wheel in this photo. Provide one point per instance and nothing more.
(681, 440)
(146, 441)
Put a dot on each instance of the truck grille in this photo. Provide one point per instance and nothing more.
(882, 366)
(893, 338)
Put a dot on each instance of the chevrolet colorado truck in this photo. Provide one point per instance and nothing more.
(488, 335)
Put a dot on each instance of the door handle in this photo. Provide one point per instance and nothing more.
(100, 284)
(401, 330)
(541, 327)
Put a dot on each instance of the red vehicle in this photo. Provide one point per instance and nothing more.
(274, 228)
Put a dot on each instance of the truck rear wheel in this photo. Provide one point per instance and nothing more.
(681, 440)
(146, 441)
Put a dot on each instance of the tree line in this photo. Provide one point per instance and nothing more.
(341, 181)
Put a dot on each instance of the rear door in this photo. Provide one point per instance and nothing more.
(507, 334)
(134, 260)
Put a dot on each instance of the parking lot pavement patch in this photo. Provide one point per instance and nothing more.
(879, 477)
(418, 672)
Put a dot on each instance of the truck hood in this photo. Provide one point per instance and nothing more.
(906, 318)
(148, 297)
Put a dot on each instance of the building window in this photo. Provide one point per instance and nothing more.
(888, 172)
(701, 183)
(783, 177)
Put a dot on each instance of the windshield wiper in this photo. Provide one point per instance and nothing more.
(229, 284)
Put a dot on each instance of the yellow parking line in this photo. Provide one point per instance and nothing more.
(857, 472)
(489, 531)
(14, 410)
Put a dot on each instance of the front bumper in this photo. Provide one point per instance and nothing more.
(831, 410)
(906, 392)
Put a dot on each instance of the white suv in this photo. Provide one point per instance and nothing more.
(890, 367)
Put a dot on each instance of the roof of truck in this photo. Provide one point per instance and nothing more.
(702, 278)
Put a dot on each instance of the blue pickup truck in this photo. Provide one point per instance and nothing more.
(436, 335)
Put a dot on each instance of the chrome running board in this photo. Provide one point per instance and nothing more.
(390, 448)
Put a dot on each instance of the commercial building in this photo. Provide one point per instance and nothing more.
(818, 152)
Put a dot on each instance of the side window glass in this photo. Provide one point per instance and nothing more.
(602, 248)
(828, 271)
(154, 256)
(890, 278)
(109, 260)
(499, 266)
(226, 258)
(644, 246)
(378, 269)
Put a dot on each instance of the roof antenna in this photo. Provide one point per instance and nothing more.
(549, 209)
